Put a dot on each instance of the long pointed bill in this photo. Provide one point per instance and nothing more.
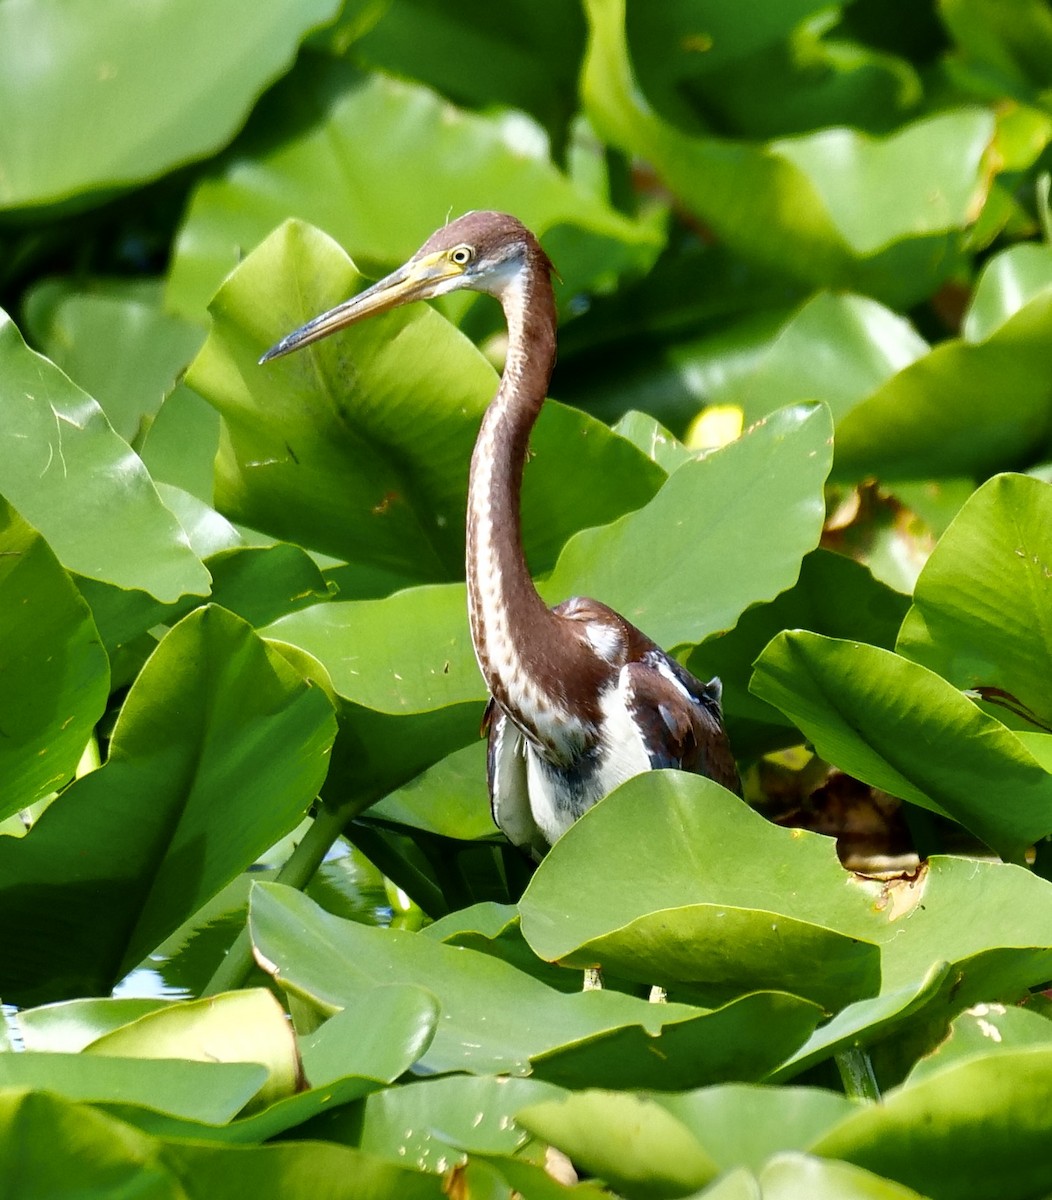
(417, 280)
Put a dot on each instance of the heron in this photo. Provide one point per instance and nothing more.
(580, 699)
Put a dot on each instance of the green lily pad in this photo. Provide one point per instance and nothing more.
(306, 140)
(54, 670)
(632, 1143)
(354, 1053)
(327, 962)
(801, 1177)
(900, 727)
(934, 964)
(68, 473)
(431, 1124)
(115, 341)
(745, 1124)
(230, 745)
(980, 614)
(170, 1085)
(755, 507)
(670, 906)
(834, 596)
(70, 1025)
(833, 207)
(359, 447)
(973, 1130)
(104, 59)
(243, 1026)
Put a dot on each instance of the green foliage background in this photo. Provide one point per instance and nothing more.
(259, 935)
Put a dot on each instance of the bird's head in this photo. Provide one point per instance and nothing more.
(481, 251)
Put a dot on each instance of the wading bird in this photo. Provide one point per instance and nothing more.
(580, 699)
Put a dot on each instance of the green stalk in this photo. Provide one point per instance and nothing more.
(297, 872)
(856, 1074)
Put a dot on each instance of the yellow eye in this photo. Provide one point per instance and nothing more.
(461, 255)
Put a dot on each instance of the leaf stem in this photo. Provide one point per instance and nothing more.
(297, 872)
(856, 1073)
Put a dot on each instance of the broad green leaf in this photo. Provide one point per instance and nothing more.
(744, 1039)
(900, 727)
(64, 1151)
(115, 341)
(835, 348)
(642, 430)
(69, 1026)
(262, 583)
(493, 928)
(905, 410)
(305, 141)
(181, 444)
(101, 58)
(935, 416)
(974, 1130)
(408, 653)
(981, 607)
(54, 673)
(68, 473)
(482, 999)
(449, 798)
(834, 596)
(744, 1124)
(1011, 41)
(409, 688)
(632, 1143)
(982, 1030)
(359, 1050)
(243, 1026)
(229, 744)
(833, 207)
(754, 508)
(360, 447)
(933, 963)
(801, 1177)
(671, 906)
(431, 1124)
(295, 1171)
(379, 1038)
(466, 54)
(202, 1091)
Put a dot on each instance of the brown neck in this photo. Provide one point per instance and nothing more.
(521, 645)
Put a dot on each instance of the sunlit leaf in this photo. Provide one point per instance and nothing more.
(359, 447)
(67, 472)
(981, 606)
(229, 744)
(900, 727)
(106, 59)
(304, 144)
(203, 1091)
(633, 1144)
(970, 1131)
(832, 207)
(114, 340)
(328, 962)
(244, 1026)
(54, 673)
(724, 532)
(670, 906)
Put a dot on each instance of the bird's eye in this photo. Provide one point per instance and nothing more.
(462, 255)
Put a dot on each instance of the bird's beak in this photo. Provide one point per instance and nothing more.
(418, 279)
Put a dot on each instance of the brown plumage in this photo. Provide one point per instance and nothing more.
(581, 699)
